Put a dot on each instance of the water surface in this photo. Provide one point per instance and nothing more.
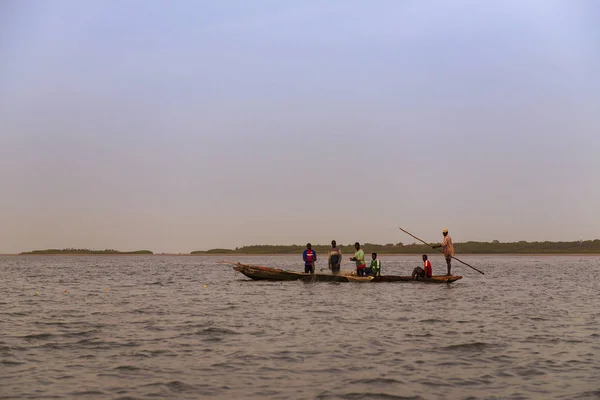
(152, 327)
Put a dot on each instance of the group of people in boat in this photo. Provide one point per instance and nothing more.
(334, 260)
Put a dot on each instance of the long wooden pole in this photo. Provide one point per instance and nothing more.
(424, 242)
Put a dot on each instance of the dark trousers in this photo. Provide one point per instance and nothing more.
(418, 273)
(309, 269)
(335, 269)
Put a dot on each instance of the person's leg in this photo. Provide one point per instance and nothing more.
(307, 269)
(448, 260)
(418, 273)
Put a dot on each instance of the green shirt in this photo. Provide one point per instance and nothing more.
(360, 257)
(376, 266)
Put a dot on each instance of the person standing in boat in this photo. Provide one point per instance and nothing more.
(335, 258)
(425, 272)
(448, 248)
(310, 257)
(375, 267)
(359, 258)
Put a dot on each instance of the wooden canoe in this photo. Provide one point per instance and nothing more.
(260, 273)
(433, 279)
(378, 279)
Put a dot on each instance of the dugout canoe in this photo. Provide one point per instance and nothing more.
(308, 278)
(260, 273)
(433, 279)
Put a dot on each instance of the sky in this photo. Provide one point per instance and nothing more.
(190, 125)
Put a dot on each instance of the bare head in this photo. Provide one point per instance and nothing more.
(374, 255)
(308, 246)
(424, 257)
(357, 246)
(333, 243)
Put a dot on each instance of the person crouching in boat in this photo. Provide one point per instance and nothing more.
(375, 267)
(448, 248)
(335, 258)
(310, 257)
(425, 272)
(359, 258)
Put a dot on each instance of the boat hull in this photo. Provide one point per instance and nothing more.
(379, 279)
(433, 279)
(259, 273)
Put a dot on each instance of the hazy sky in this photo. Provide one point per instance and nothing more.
(183, 125)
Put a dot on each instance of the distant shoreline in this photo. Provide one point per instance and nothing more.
(237, 255)
(580, 247)
(85, 251)
(388, 254)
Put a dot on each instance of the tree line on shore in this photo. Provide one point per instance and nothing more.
(494, 247)
(84, 251)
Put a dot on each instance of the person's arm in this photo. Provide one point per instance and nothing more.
(446, 242)
(304, 255)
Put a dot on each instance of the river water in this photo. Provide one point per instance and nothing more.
(157, 327)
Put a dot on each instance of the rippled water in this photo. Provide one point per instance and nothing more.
(147, 327)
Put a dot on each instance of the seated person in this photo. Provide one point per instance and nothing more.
(425, 272)
(375, 267)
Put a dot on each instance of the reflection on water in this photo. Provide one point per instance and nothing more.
(107, 327)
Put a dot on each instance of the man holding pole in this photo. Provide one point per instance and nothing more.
(448, 248)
